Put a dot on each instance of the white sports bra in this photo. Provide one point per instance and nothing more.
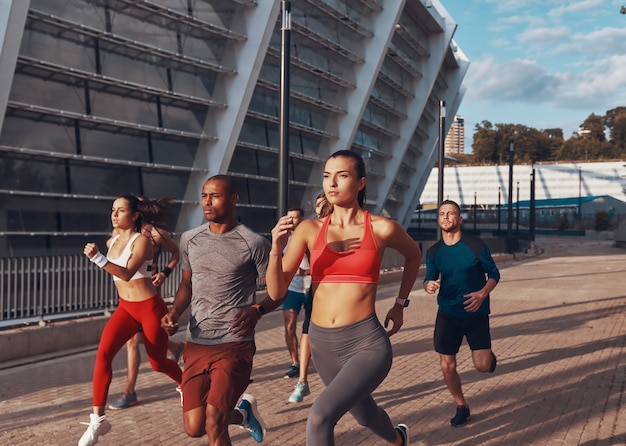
(144, 271)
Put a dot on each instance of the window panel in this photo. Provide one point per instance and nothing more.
(162, 184)
(259, 220)
(19, 132)
(244, 160)
(268, 164)
(114, 145)
(107, 180)
(32, 174)
(301, 170)
(177, 153)
(263, 192)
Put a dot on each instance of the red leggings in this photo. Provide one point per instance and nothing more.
(124, 323)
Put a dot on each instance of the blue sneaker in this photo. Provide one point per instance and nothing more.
(125, 401)
(301, 390)
(252, 421)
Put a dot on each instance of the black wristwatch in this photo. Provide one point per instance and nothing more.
(403, 302)
(260, 310)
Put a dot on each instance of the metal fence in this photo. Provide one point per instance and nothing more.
(43, 289)
(39, 290)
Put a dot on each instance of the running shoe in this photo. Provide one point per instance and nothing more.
(98, 425)
(403, 430)
(125, 401)
(180, 391)
(301, 390)
(252, 421)
(494, 363)
(293, 372)
(461, 417)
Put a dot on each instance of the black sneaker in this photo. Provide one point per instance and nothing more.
(461, 417)
(494, 363)
(403, 430)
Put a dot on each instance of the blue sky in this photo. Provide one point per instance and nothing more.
(540, 63)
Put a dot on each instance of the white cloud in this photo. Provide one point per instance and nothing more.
(577, 7)
(506, 6)
(507, 22)
(500, 43)
(514, 80)
(608, 40)
(541, 37)
(602, 84)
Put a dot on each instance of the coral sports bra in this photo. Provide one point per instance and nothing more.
(144, 271)
(359, 265)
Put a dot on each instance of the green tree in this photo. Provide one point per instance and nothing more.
(491, 141)
(484, 145)
(593, 128)
(615, 120)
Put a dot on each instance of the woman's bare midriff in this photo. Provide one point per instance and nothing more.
(136, 290)
(341, 304)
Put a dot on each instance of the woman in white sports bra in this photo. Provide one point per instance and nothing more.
(129, 261)
(161, 243)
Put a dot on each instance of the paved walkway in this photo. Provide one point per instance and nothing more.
(559, 332)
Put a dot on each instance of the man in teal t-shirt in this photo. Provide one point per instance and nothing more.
(461, 269)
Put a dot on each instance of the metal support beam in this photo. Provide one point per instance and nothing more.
(442, 138)
(283, 152)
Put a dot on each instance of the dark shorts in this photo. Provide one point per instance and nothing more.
(449, 333)
(295, 301)
(216, 375)
(307, 314)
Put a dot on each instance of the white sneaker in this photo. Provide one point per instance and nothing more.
(98, 425)
(403, 430)
(180, 391)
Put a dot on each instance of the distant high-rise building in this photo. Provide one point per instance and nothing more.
(455, 141)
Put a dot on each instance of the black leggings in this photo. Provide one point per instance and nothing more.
(352, 361)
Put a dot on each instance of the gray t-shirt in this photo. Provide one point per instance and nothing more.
(224, 268)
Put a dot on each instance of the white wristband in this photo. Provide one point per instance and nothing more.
(99, 259)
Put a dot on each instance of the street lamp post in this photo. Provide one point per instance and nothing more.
(531, 216)
(580, 199)
(283, 151)
(419, 216)
(517, 213)
(442, 136)
(509, 220)
(499, 209)
(475, 210)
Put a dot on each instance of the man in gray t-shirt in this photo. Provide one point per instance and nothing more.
(221, 262)
(225, 271)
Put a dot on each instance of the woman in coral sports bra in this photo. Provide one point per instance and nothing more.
(129, 261)
(349, 346)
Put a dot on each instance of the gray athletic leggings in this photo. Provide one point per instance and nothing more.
(352, 361)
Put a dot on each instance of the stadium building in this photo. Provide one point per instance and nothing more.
(101, 98)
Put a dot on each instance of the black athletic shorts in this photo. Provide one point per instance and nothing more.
(449, 333)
